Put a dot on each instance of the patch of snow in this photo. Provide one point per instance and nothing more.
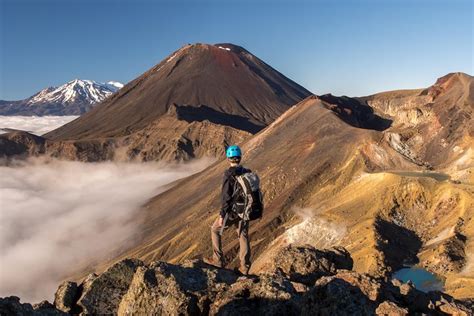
(171, 58)
(115, 84)
(224, 48)
(87, 91)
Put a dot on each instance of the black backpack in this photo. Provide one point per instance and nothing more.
(248, 199)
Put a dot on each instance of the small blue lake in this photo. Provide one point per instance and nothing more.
(423, 280)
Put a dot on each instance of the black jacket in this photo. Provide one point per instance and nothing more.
(228, 187)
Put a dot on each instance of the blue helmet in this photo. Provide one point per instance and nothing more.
(233, 151)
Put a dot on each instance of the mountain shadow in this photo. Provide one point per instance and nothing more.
(190, 113)
(355, 112)
(399, 244)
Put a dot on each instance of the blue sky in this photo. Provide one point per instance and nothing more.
(344, 47)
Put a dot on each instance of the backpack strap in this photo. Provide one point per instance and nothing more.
(235, 188)
(234, 176)
(248, 196)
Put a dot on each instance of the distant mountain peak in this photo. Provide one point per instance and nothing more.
(84, 91)
(74, 97)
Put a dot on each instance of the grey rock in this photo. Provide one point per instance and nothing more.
(66, 296)
(305, 264)
(12, 306)
(168, 289)
(263, 295)
(391, 309)
(102, 294)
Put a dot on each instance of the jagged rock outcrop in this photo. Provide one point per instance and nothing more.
(171, 289)
(102, 294)
(21, 144)
(66, 296)
(175, 139)
(12, 306)
(335, 296)
(390, 308)
(262, 295)
(307, 264)
(130, 287)
(433, 126)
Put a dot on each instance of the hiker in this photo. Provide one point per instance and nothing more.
(241, 203)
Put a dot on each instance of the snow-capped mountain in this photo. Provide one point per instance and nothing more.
(73, 98)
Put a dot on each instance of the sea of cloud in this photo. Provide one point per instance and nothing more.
(57, 215)
(37, 125)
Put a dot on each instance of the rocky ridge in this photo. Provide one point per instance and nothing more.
(303, 281)
(175, 139)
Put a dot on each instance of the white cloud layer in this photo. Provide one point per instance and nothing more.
(37, 125)
(57, 215)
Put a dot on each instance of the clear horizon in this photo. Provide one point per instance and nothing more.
(352, 48)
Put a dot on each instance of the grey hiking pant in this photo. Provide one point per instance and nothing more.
(244, 241)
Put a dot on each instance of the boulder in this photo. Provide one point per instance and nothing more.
(152, 293)
(453, 308)
(369, 286)
(447, 305)
(388, 308)
(186, 289)
(46, 308)
(12, 306)
(102, 294)
(66, 296)
(335, 296)
(263, 295)
(305, 264)
(408, 295)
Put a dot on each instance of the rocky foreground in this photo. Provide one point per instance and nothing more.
(301, 281)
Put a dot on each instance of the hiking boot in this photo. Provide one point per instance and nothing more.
(213, 262)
